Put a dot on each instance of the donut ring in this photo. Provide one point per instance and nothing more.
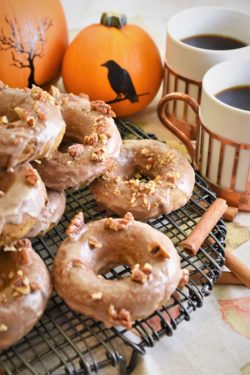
(25, 288)
(31, 125)
(22, 198)
(50, 215)
(170, 186)
(101, 245)
(90, 124)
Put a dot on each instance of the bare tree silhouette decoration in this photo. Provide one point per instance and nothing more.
(25, 44)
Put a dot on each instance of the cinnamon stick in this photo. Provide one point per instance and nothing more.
(228, 278)
(238, 268)
(202, 229)
(230, 213)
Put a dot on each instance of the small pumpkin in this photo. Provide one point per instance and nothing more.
(33, 39)
(116, 62)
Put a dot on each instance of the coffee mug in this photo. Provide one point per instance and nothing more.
(185, 64)
(222, 153)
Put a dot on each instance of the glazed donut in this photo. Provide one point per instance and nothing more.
(22, 198)
(50, 215)
(95, 248)
(31, 125)
(25, 288)
(170, 185)
(90, 124)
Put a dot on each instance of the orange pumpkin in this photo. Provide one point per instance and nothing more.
(116, 62)
(33, 39)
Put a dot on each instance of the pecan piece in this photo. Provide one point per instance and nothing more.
(4, 120)
(77, 263)
(34, 286)
(21, 286)
(76, 225)
(91, 140)
(30, 120)
(101, 107)
(138, 275)
(98, 155)
(96, 296)
(157, 250)
(3, 327)
(93, 243)
(121, 317)
(76, 150)
(31, 177)
(119, 224)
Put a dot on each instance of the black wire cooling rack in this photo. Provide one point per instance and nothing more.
(64, 342)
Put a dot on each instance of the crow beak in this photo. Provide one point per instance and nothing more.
(104, 64)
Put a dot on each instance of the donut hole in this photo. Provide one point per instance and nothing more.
(8, 269)
(116, 260)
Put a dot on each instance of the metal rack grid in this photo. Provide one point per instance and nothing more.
(64, 342)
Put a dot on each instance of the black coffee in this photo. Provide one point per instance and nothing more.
(238, 96)
(214, 42)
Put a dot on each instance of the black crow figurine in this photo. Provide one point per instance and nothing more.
(120, 81)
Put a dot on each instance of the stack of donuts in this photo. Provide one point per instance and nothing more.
(50, 142)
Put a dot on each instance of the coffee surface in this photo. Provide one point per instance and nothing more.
(214, 42)
(238, 97)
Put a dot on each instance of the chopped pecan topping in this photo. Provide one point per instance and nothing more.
(138, 275)
(1, 193)
(10, 248)
(23, 243)
(119, 224)
(34, 286)
(101, 107)
(77, 263)
(31, 177)
(41, 115)
(141, 275)
(145, 152)
(98, 155)
(147, 269)
(172, 177)
(157, 250)
(121, 317)
(76, 150)
(21, 113)
(4, 120)
(24, 255)
(91, 140)
(93, 243)
(39, 94)
(96, 296)
(76, 225)
(21, 286)
(150, 163)
(103, 138)
(30, 120)
(101, 125)
(185, 278)
(3, 327)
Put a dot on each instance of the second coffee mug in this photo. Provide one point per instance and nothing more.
(220, 34)
(222, 153)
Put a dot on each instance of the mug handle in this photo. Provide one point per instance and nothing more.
(163, 116)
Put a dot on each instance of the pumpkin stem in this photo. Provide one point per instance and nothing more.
(111, 19)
